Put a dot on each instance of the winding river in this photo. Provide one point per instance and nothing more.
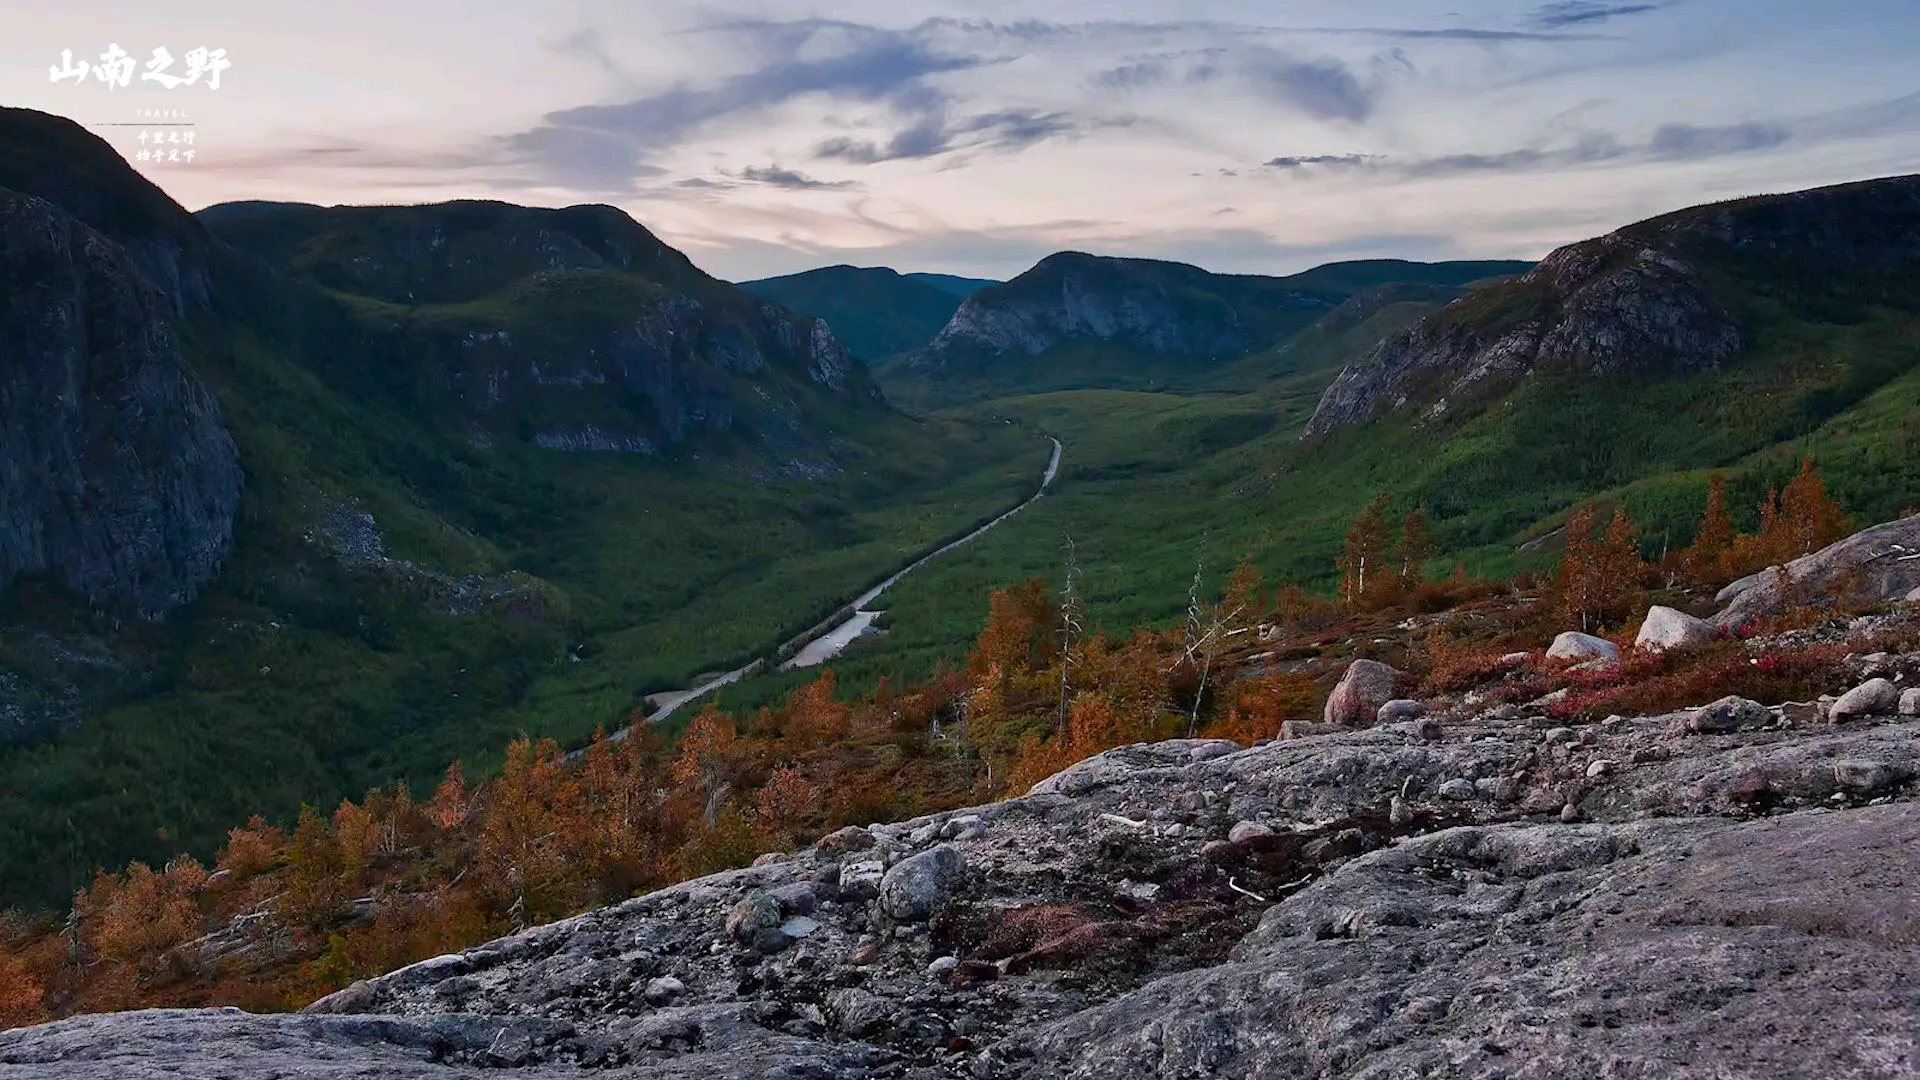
(825, 641)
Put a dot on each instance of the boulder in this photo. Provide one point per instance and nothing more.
(758, 912)
(1244, 831)
(917, 888)
(1871, 565)
(1729, 714)
(1910, 701)
(1670, 628)
(1875, 697)
(1581, 648)
(1399, 709)
(1367, 685)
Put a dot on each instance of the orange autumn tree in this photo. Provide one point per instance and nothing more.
(1706, 559)
(529, 818)
(21, 995)
(813, 718)
(1800, 519)
(711, 760)
(1809, 518)
(1600, 576)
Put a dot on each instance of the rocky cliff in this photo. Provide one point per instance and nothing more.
(1667, 296)
(1720, 892)
(118, 480)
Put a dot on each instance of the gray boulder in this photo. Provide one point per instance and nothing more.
(1367, 685)
(1875, 697)
(1581, 648)
(917, 888)
(1729, 714)
(1873, 565)
(1399, 710)
(1669, 628)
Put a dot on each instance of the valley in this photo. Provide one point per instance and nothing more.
(427, 500)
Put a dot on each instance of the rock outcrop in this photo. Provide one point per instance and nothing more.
(117, 479)
(1658, 897)
(1881, 563)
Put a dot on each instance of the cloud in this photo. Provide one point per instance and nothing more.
(1322, 88)
(775, 176)
(1684, 141)
(933, 134)
(1586, 12)
(1134, 76)
(1671, 142)
(609, 144)
(1329, 160)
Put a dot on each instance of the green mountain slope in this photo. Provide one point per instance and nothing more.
(505, 470)
(875, 311)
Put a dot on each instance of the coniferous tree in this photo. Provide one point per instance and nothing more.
(1706, 557)
(1811, 519)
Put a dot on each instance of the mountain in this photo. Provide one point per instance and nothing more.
(348, 493)
(1685, 293)
(1111, 322)
(876, 311)
(573, 329)
(962, 287)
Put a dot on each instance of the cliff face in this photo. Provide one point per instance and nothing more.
(1661, 297)
(117, 479)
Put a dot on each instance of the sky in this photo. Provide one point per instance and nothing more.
(1250, 137)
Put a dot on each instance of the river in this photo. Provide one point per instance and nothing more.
(825, 641)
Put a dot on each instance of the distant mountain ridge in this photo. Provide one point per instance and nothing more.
(1671, 295)
(1080, 319)
(953, 283)
(876, 311)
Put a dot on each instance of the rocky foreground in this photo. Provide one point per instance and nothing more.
(1725, 892)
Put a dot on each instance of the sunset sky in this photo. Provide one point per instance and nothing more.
(973, 139)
